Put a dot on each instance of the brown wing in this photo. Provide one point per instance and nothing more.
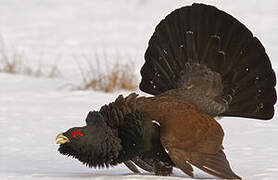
(182, 125)
(200, 144)
(194, 138)
(214, 164)
(180, 161)
(189, 136)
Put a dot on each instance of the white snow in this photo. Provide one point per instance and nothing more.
(34, 110)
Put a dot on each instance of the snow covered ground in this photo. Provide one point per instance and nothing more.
(33, 111)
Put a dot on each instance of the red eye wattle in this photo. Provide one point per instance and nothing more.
(77, 133)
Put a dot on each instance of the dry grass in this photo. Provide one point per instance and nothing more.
(14, 62)
(95, 75)
(110, 78)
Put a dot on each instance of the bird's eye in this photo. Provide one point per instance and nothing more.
(77, 133)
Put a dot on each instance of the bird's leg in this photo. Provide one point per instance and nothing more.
(132, 167)
(142, 164)
(162, 169)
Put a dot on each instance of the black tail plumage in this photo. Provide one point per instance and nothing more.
(203, 35)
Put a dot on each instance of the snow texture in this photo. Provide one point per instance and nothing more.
(33, 111)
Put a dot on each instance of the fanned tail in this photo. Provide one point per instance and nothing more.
(202, 45)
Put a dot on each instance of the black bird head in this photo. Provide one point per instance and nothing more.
(94, 144)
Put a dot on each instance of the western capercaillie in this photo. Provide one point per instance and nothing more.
(200, 63)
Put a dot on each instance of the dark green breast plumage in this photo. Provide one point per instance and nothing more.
(135, 138)
(128, 124)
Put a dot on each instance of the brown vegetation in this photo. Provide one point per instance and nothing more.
(14, 62)
(112, 77)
